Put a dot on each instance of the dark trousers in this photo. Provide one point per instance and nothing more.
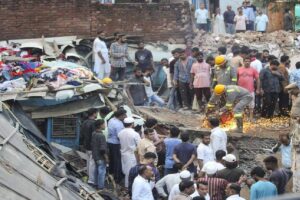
(283, 103)
(258, 103)
(269, 103)
(250, 26)
(186, 94)
(200, 92)
(117, 73)
(202, 27)
(115, 165)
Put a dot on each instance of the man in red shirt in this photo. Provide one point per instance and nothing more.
(247, 76)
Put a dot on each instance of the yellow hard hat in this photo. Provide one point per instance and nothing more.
(107, 80)
(219, 89)
(219, 60)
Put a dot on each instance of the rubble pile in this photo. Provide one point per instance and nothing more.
(278, 42)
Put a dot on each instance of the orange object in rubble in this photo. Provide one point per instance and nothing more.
(226, 117)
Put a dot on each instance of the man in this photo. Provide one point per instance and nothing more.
(166, 67)
(270, 79)
(118, 53)
(265, 56)
(185, 153)
(218, 163)
(232, 173)
(100, 52)
(202, 189)
(143, 57)
(195, 52)
(222, 50)
(216, 186)
(295, 75)
(149, 159)
(224, 73)
(184, 176)
(204, 151)
(152, 97)
(285, 147)
(288, 20)
(263, 188)
(137, 92)
(86, 132)
(218, 137)
(186, 189)
(142, 187)
(261, 22)
(237, 61)
(175, 101)
(211, 61)
(115, 125)
(201, 16)
(99, 152)
(129, 140)
(146, 144)
(256, 63)
(283, 95)
(229, 20)
(279, 176)
(233, 192)
(249, 12)
(182, 79)
(200, 80)
(170, 144)
(236, 98)
(247, 76)
(168, 181)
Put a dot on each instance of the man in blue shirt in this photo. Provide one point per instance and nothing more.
(115, 125)
(295, 75)
(263, 188)
(170, 143)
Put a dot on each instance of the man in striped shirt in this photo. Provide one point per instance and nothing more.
(216, 186)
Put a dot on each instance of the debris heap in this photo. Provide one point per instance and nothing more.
(278, 42)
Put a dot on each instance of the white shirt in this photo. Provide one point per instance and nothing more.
(149, 90)
(141, 189)
(218, 140)
(128, 140)
(175, 191)
(201, 16)
(261, 22)
(169, 181)
(169, 80)
(205, 153)
(256, 64)
(235, 197)
(219, 166)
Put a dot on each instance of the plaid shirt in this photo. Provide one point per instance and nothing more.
(118, 53)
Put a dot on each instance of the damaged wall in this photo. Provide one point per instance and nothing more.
(34, 18)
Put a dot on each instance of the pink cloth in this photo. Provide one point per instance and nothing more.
(202, 75)
(246, 77)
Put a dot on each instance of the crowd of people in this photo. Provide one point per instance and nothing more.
(149, 164)
(246, 18)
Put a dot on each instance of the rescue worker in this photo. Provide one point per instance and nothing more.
(224, 73)
(236, 97)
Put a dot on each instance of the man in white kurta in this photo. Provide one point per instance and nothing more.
(128, 141)
(102, 65)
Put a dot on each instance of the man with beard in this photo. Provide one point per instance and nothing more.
(119, 53)
(143, 57)
(200, 80)
(101, 58)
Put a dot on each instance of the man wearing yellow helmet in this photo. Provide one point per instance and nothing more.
(236, 97)
(224, 74)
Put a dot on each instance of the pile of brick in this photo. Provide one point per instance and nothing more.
(277, 42)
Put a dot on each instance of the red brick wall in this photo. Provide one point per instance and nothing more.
(34, 18)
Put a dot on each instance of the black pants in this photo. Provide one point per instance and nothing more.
(186, 94)
(269, 103)
(283, 103)
(258, 103)
(115, 165)
(117, 73)
(200, 92)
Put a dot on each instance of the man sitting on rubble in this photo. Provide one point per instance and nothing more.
(137, 92)
(236, 97)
